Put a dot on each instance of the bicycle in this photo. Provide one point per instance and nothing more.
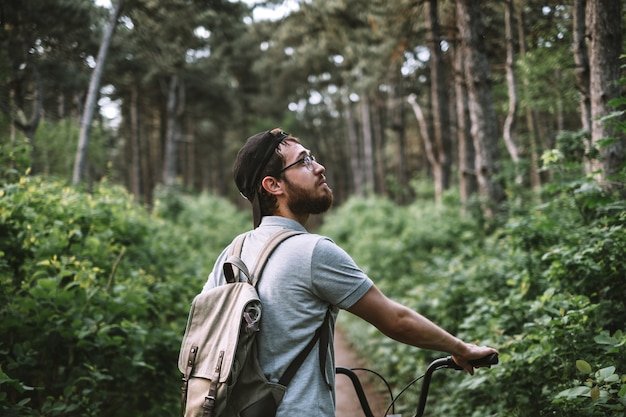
(441, 363)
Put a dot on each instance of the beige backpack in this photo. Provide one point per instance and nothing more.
(218, 357)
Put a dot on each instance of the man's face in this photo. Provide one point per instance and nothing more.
(306, 189)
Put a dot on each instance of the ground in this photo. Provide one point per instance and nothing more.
(347, 401)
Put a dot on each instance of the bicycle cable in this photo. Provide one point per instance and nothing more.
(382, 378)
(409, 385)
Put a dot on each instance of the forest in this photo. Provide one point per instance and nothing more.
(476, 150)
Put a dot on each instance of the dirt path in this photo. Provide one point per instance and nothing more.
(347, 401)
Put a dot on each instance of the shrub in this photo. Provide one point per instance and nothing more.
(546, 289)
(95, 293)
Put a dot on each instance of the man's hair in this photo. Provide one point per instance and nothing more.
(267, 201)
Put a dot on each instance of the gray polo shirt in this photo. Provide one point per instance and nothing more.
(305, 276)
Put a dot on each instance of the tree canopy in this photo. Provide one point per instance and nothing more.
(188, 80)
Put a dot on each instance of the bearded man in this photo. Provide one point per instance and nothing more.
(308, 279)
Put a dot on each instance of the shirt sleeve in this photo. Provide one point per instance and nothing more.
(216, 277)
(336, 277)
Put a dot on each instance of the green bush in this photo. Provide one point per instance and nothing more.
(546, 289)
(95, 293)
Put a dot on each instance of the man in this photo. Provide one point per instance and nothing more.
(309, 275)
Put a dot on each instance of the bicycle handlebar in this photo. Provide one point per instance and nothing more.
(441, 363)
(448, 362)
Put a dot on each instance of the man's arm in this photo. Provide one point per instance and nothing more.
(407, 326)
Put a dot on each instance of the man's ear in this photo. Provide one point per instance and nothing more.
(272, 185)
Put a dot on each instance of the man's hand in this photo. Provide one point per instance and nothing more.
(472, 353)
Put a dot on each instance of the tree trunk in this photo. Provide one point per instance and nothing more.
(175, 106)
(398, 122)
(191, 152)
(531, 117)
(508, 131)
(468, 184)
(581, 70)
(378, 136)
(153, 155)
(402, 162)
(439, 104)
(355, 154)
(368, 146)
(482, 113)
(135, 169)
(605, 27)
(92, 95)
(19, 119)
(429, 147)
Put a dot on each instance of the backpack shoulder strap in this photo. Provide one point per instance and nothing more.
(233, 263)
(268, 249)
(323, 335)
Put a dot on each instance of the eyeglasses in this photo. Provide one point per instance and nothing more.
(306, 160)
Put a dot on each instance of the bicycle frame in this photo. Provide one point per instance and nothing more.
(360, 393)
(441, 363)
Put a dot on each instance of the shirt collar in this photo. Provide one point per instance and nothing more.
(273, 221)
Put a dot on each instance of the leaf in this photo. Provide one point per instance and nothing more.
(574, 392)
(605, 339)
(48, 284)
(604, 373)
(4, 377)
(595, 393)
(583, 366)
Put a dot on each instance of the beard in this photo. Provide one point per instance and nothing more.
(304, 201)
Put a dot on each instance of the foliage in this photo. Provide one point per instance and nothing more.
(547, 86)
(95, 292)
(54, 141)
(604, 387)
(48, 154)
(546, 289)
(15, 160)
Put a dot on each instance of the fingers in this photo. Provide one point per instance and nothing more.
(474, 354)
(467, 367)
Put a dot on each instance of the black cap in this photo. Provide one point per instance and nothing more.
(250, 163)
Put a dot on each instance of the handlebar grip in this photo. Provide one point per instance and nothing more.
(487, 361)
(484, 362)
